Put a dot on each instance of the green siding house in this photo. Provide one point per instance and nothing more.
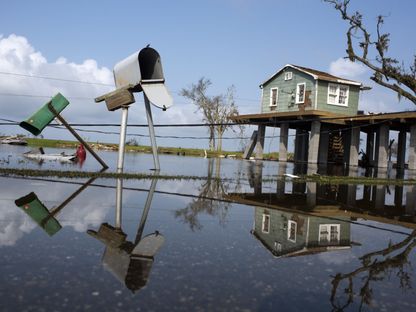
(296, 88)
(288, 234)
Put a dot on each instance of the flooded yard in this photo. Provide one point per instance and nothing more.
(234, 240)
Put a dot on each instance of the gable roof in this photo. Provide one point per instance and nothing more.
(316, 74)
(298, 250)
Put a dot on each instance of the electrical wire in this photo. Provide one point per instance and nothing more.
(223, 200)
(82, 82)
(56, 79)
(56, 126)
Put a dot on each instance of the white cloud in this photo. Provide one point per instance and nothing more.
(80, 214)
(346, 69)
(14, 225)
(376, 100)
(17, 55)
(382, 100)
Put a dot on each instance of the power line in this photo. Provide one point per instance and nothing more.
(192, 196)
(56, 126)
(57, 79)
(46, 96)
(83, 82)
(70, 97)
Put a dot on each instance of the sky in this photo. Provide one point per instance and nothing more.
(230, 42)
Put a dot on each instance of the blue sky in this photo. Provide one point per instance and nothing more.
(231, 42)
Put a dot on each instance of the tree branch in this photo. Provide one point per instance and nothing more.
(388, 68)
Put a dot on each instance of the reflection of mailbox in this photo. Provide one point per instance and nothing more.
(141, 71)
(129, 262)
(32, 206)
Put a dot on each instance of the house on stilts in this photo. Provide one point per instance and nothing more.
(323, 110)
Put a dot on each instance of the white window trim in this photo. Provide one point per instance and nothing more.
(277, 246)
(289, 224)
(268, 223)
(329, 233)
(271, 97)
(337, 94)
(297, 93)
(262, 96)
(288, 75)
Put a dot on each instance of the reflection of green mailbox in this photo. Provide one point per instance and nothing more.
(39, 120)
(44, 217)
(32, 206)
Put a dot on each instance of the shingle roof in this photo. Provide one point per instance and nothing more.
(316, 74)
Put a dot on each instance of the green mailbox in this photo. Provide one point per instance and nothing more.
(39, 120)
(48, 112)
(35, 209)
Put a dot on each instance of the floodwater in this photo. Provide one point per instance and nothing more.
(240, 243)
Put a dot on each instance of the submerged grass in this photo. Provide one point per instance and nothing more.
(91, 174)
(333, 180)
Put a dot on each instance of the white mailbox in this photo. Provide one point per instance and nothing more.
(141, 71)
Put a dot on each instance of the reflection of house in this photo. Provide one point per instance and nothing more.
(292, 233)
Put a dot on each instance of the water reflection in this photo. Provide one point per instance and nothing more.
(44, 217)
(307, 218)
(207, 200)
(395, 204)
(290, 233)
(375, 267)
(301, 245)
(129, 261)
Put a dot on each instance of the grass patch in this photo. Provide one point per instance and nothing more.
(37, 142)
(196, 152)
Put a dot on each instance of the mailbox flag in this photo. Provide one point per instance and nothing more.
(158, 94)
(149, 245)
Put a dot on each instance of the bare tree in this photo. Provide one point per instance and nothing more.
(216, 110)
(387, 71)
(376, 266)
(209, 200)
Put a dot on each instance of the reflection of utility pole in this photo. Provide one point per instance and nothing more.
(146, 210)
(390, 164)
(255, 176)
(281, 183)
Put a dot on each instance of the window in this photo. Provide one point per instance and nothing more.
(277, 246)
(300, 93)
(274, 96)
(291, 231)
(288, 75)
(329, 234)
(338, 94)
(265, 228)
